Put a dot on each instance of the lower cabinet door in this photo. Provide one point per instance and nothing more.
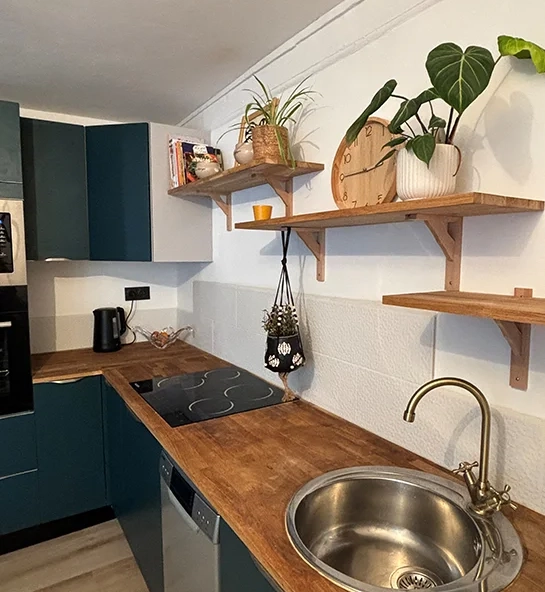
(19, 506)
(135, 489)
(238, 571)
(70, 447)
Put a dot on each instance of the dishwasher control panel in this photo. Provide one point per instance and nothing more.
(190, 499)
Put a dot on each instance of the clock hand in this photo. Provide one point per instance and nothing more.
(367, 170)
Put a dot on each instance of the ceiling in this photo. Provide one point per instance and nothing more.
(153, 60)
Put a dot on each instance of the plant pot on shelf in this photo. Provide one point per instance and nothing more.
(415, 180)
(284, 354)
(271, 142)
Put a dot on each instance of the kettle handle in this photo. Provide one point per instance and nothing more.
(122, 320)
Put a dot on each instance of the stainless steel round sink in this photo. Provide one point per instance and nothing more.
(369, 528)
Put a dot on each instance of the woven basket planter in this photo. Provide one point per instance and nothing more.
(267, 140)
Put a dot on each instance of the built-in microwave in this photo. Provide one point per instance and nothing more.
(15, 362)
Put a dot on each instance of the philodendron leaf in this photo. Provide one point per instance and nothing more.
(385, 158)
(426, 96)
(407, 110)
(376, 103)
(395, 142)
(424, 147)
(523, 50)
(437, 122)
(458, 76)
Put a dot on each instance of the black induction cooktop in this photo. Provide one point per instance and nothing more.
(190, 398)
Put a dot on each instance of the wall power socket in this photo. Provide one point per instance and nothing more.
(137, 293)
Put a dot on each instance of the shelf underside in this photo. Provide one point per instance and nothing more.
(491, 306)
(246, 176)
(456, 206)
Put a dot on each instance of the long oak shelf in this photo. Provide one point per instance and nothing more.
(442, 215)
(264, 171)
(514, 315)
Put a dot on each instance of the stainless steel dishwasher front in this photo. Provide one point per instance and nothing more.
(190, 534)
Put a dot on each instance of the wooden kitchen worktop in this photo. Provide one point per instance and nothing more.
(249, 465)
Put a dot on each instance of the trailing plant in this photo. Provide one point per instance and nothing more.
(281, 321)
(457, 77)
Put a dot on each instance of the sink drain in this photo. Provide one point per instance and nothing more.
(414, 578)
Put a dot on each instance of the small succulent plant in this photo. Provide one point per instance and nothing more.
(281, 320)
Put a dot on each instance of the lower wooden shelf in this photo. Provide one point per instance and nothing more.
(514, 315)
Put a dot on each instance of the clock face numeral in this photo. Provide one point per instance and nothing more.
(368, 130)
(355, 203)
(379, 197)
(347, 158)
(345, 196)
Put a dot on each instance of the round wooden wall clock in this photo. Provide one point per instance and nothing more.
(354, 180)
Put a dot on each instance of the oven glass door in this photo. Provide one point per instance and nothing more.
(15, 367)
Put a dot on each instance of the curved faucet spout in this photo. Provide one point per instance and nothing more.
(410, 414)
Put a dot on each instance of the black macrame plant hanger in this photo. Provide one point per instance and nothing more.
(285, 352)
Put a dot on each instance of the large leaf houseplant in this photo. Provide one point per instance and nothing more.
(428, 159)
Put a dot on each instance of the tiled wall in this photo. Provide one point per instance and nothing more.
(364, 362)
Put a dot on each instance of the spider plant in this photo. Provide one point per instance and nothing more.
(458, 77)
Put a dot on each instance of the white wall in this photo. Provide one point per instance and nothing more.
(503, 144)
(62, 296)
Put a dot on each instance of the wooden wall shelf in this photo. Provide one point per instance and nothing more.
(259, 172)
(514, 315)
(443, 216)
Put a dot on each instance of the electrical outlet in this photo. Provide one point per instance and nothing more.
(137, 293)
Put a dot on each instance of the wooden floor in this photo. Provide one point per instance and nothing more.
(97, 559)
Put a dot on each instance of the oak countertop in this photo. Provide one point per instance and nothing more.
(249, 465)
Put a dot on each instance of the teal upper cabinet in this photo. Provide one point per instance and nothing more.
(118, 185)
(55, 187)
(11, 177)
(131, 215)
(70, 446)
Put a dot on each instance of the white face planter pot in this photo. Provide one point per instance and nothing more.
(415, 180)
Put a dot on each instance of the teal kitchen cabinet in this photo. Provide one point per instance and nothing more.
(55, 190)
(19, 507)
(70, 444)
(11, 177)
(19, 503)
(131, 215)
(237, 568)
(134, 486)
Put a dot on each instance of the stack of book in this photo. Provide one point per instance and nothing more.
(183, 158)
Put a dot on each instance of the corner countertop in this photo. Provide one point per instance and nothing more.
(249, 465)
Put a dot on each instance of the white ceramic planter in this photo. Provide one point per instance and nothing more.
(415, 180)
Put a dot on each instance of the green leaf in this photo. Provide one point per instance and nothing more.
(395, 142)
(523, 50)
(424, 147)
(409, 144)
(407, 110)
(376, 103)
(459, 76)
(426, 96)
(385, 158)
(437, 122)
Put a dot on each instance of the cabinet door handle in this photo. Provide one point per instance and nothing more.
(5, 324)
(4, 182)
(52, 259)
(66, 381)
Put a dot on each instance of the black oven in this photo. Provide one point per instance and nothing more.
(15, 363)
(15, 367)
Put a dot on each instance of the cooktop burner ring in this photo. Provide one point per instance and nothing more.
(269, 394)
(237, 373)
(223, 411)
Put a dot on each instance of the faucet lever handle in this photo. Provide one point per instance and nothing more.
(505, 498)
(465, 467)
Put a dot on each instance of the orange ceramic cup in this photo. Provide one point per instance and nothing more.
(262, 212)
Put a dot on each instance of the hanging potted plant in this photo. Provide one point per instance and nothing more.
(428, 160)
(284, 352)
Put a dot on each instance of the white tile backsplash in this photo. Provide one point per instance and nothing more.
(364, 360)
